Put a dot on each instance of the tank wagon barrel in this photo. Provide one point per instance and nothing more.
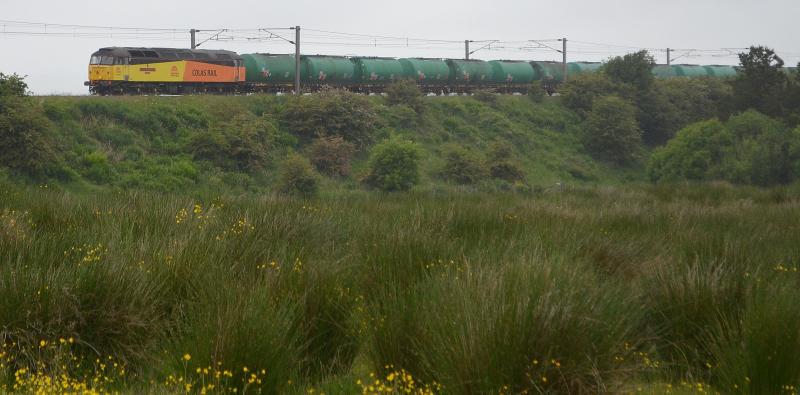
(377, 72)
(720, 71)
(512, 75)
(271, 72)
(329, 70)
(469, 72)
(577, 68)
(426, 72)
(690, 70)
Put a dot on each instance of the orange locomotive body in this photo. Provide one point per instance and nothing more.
(119, 70)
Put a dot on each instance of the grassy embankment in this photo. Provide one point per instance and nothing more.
(147, 142)
(576, 291)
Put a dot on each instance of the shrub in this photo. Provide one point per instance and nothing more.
(24, 143)
(612, 133)
(332, 113)
(761, 83)
(696, 99)
(634, 69)
(485, 96)
(97, 167)
(297, 177)
(536, 93)
(244, 143)
(761, 150)
(462, 166)
(696, 153)
(405, 92)
(507, 170)
(751, 149)
(401, 117)
(332, 155)
(501, 163)
(393, 165)
(500, 150)
(12, 85)
(580, 91)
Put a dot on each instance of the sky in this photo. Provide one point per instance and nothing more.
(55, 58)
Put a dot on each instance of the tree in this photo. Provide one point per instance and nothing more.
(793, 96)
(760, 83)
(24, 143)
(696, 153)
(393, 165)
(634, 69)
(751, 148)
(612, 133)
(579, 92)
(12, 85)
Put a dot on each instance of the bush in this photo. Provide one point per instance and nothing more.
(696, 153)
(393, 165)
(750, 149)
(612, 133)
(297, 177)
(12, 85)
(462, 166)
(242, 144)
(634, 69)
(536, 93)
(501, 163)
(405, 92)
(485, 96)
(24, 143)
(500, 151)
(332, 113)
(761, 83)
(332, 155)
(580, 91)
(97, 167)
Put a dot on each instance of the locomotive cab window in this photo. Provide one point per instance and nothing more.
(103, 60)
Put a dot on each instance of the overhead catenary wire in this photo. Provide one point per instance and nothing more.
(340, 39)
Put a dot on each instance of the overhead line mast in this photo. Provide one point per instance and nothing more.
(297, 60)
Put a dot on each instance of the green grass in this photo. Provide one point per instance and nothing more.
(586, 290)
(147, 142)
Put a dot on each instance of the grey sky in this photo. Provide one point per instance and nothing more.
(57, 64)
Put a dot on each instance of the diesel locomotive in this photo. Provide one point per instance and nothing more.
(126, 70)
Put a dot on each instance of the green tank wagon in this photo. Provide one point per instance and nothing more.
(329, 70)
(469, 72)
(426, 71)
(378, 71)
(271, 69)
(516, 72)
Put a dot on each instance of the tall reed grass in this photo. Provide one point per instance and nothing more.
(575, 291)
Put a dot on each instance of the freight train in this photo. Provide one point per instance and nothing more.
(126, 70)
